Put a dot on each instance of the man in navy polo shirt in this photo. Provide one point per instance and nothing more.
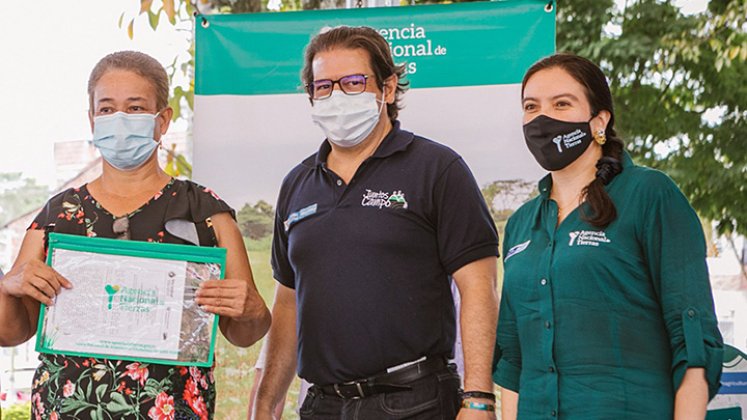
(369, 232)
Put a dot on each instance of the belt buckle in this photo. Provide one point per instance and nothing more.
(358, 387)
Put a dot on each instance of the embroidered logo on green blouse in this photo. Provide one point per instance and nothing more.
(588, 238)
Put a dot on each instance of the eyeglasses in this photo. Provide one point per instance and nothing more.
(121, 227)
(353, 84)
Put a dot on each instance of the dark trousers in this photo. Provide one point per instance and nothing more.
(430, 398)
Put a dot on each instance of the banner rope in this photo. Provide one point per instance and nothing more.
(197, 13)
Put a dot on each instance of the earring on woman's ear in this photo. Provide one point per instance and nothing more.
(600, 138)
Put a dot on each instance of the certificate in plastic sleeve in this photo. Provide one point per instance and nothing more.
(130, 300)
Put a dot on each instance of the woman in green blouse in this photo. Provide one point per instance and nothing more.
(607, 310)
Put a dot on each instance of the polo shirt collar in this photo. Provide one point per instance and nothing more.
(395, 141)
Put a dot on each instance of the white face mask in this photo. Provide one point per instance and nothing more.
(125, 140)
(347, 119)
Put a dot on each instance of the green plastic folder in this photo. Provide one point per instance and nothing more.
(130, 300)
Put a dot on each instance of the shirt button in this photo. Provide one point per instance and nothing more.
(543, 282)
(691, 313)
(339, 182)
(553, 413)
(551, 369)
(547, 324)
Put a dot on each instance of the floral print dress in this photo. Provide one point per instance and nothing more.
(67, 387)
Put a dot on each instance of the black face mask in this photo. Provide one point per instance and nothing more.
(556, 144)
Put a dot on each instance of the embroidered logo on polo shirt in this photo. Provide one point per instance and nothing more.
(516, 249)
(381, 199)
(299, 215)
(588, 238)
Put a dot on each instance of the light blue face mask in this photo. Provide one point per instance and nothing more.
(125, 140)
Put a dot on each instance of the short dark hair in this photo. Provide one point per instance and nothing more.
(138, 63)
(367, 39)
(591, 77)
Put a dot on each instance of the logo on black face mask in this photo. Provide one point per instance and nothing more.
(569, 140)
(547, 138)
(557, 141)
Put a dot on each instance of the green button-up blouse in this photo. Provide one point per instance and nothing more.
(602, 323)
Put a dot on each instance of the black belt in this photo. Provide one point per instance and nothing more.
(387, 382)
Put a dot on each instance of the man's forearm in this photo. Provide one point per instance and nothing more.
(479, 316)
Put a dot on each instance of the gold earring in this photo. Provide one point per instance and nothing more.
(600, 138)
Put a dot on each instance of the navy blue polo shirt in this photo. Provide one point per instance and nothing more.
(370, 260)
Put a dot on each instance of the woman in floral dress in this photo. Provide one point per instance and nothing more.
(133, 199)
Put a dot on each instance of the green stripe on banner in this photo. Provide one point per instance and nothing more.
(465, 44)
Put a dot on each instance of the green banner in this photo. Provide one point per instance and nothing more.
(465, 44)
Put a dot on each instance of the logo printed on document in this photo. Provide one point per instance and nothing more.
(111, 290)
(132, 299)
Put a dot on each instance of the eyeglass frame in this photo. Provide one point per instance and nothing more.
(309, 86)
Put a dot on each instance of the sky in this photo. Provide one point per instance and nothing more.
(49, 49)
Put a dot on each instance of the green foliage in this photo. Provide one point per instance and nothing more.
(17, 412)
(18, 196)
(167, 7)
(256, 221)
(666, 70)
(580, 26)
(178, 13)
(176, 164)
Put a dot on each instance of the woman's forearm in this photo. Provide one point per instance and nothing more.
(14, 318)
(691, 398)
(509, 404)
